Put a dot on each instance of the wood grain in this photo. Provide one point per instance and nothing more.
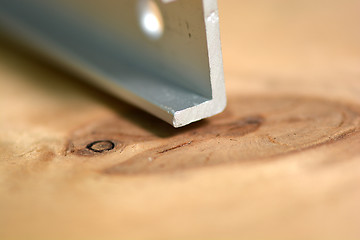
(282, 162)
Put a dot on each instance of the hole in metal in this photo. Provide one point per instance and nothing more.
(150, 19)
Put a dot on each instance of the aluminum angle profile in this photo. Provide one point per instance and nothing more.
(163, 56)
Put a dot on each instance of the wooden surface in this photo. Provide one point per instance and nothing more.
(282, 162)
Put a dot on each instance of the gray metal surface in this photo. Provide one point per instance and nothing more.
(166, 60)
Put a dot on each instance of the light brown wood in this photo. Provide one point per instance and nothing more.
(282, 162)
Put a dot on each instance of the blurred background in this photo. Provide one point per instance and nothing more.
(308, 46)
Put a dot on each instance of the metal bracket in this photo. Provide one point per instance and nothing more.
(163, 56)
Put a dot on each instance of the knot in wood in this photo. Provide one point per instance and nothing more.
(101, 146)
